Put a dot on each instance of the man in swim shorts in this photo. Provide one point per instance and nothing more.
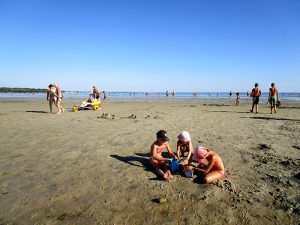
(273, 97)
(255, 94)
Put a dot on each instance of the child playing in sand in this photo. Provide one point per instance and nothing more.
(184, 144)
(238, 97)
(160, 163)
(212, 170)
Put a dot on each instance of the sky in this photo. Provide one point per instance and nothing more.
(150, 45)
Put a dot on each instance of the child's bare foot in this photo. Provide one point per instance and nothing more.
(166, 176)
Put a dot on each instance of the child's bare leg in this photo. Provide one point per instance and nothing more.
(160, 171)
(50, 106)
(58, 107)
(169, 174)
(213, 176)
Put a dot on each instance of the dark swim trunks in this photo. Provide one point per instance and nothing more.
(255, 100)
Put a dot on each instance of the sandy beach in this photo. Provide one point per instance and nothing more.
(89, 168)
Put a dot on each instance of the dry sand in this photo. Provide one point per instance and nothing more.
(80, 168)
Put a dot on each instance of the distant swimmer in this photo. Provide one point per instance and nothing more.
(96, 92)
(273, 97)
(230, 94)
(255, 94)
(167, 93)
(238, 97)
(173, 93)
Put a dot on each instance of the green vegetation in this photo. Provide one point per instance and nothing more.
(22, 90)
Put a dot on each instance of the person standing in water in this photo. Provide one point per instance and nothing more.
(59, 96)
(273, 97)
(255, 94)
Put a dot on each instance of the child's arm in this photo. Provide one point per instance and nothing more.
(178, 150)
(170, 152)
(190, 151)
(208, 168)
(47, 95)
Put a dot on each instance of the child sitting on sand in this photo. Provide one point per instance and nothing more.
(212, 170)
(156, 159)
(184, 144)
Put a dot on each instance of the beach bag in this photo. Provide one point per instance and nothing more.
(174, 165)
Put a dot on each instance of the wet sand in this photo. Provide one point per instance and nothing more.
(90, 168)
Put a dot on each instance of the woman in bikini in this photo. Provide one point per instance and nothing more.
(59, 99)
(51, 96)
(156, 159)
(213, 169)
(184, 144)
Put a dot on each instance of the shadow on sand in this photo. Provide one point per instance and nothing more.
(224, 111)
(271, 118)
(36, 112)
(138, 160)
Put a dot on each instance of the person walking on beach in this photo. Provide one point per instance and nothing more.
(273, 97)
(104, 96)
(96, 92)
(255, 94)
(238, 98)
(51, 96)
(59, 96)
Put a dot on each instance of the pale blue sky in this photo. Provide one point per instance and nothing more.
(150, 45)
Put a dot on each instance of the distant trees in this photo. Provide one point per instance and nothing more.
(22, 90)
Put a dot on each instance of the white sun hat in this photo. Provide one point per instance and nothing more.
(184, 136)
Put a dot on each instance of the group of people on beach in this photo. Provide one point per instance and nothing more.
(201, 161)
(55, 96)
(273, 98)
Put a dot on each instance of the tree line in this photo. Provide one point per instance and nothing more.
(22, 90)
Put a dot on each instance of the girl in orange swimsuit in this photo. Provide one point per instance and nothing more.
(212, 170)
(160, 163)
